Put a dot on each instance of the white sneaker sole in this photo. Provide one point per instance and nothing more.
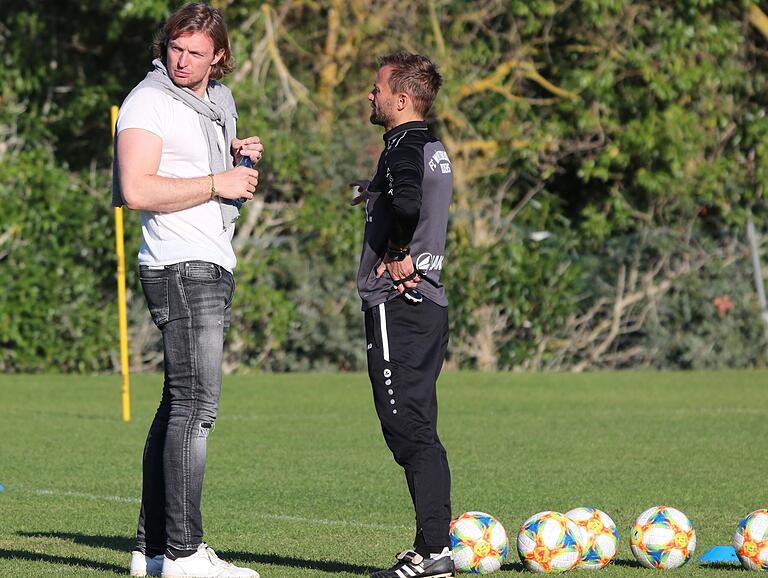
(145, 574)
(164, 575)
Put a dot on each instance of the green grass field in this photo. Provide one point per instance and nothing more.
(299, 482)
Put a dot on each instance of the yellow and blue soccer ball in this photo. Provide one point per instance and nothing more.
(549, 542)
(751, 541)
(479, 543)
(662, 538)
(599, 537)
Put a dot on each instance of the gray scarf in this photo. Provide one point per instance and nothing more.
(219, 109)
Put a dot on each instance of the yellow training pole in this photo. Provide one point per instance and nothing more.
(122, 314)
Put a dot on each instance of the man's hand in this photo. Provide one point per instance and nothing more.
(237, 183)
(398, 270)
(359, 191)
(251, 147)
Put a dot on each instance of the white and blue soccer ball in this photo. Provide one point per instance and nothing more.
(751, 540)
(549, 542)
(479, 543)
(662, 538)
(599, 537)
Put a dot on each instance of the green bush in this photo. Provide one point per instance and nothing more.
(605, 153)
(56, 269)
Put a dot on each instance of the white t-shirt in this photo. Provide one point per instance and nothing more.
(191, 234)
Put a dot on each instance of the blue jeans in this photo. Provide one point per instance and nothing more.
(190, 303)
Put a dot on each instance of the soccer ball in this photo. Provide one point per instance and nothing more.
(479, 543)
(662, 538)
(599, 537)
(751, 541)
(549, 542)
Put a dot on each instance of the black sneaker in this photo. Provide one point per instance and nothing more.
(410, 565)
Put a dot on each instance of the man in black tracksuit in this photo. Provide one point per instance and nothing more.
(406, 310)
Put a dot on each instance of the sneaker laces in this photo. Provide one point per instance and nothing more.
(215, 560)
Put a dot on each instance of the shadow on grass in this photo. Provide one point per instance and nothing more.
(119, 543)
(332, 566)
(125, 544)
(513, 567)
(65, 560)
(519, 567)
(723, 566)
(627, 563)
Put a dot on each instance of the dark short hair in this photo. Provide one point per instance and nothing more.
(415, 75)
(198, 17)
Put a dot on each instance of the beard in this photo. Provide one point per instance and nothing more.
(379, 117)
(190, 83)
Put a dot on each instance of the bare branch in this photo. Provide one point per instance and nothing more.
(435, 23)
(758, 19)
(494, 80)
(294, 90)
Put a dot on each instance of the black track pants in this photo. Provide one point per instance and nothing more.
(406, 349)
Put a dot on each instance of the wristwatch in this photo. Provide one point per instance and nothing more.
(395, 254)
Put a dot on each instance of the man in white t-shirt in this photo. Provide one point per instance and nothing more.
(175, 159)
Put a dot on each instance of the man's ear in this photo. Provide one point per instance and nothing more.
(403, 100)
(219, 56)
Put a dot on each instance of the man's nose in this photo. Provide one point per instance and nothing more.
(183, 57)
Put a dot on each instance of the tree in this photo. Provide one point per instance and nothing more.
(606, 153)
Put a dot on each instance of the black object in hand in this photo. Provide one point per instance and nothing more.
(413, 296)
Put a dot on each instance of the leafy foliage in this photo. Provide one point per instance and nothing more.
(57, 263)
(606, 155)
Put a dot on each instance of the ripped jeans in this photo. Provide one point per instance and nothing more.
(190, 303)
